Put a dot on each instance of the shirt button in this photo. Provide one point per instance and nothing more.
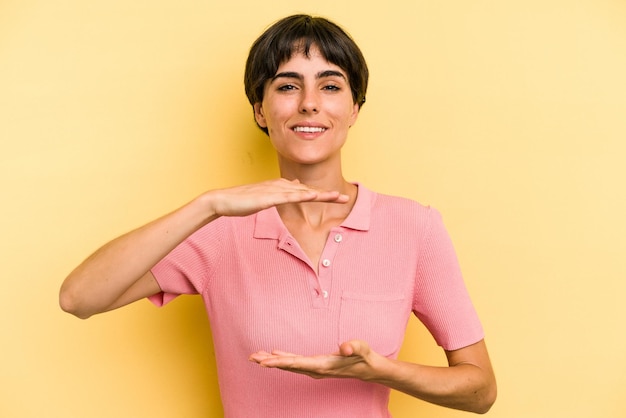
(326, 262)
(338, 238)
(325, 293)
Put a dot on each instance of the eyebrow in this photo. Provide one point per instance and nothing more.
(321, 74)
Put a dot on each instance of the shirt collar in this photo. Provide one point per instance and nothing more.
(269, 225)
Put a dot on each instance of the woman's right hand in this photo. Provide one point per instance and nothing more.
(248, 199)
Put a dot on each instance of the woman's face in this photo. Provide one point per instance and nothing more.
(308, 109)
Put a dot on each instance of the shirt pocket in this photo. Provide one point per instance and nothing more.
(379, 320)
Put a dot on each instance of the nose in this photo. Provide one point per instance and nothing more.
(309, 102)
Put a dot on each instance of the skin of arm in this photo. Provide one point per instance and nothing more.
(467, 384)
(119, 272)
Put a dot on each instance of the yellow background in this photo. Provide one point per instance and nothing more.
(508, 116)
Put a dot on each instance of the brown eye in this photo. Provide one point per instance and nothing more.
(286, 87)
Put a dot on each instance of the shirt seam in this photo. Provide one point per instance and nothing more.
(209, 274)
(424, 239)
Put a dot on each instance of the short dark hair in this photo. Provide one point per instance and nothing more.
(298, 33)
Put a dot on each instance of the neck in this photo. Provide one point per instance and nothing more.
(326, 174)
(324, 178)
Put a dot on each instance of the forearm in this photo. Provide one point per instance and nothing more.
(468, 383)
(104, 277)
(465, 386)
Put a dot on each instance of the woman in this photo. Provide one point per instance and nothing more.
(308, 275)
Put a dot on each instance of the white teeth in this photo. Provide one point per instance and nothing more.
(308, 129)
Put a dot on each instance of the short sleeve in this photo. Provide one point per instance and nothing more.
(186, 269)
(441, 300)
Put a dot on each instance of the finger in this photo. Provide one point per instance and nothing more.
(330, 196)
(320, 195)
(284, 353)
(281, 362)
(259, 356)
(354, 348)
(346, 349)
(333, 196)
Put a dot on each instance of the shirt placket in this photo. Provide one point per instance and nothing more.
(323, 286)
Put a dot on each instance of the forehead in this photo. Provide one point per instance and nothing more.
(304, 61)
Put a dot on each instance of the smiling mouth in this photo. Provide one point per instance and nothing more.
(309, 129)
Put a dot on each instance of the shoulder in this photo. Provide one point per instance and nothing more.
(398, 202)
(223, 228)
(398, 208)
(395, 216)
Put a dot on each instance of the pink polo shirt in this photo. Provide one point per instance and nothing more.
(390, 257)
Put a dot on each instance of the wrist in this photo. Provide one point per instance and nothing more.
(204, 207)
(381, 369)
(391, 372)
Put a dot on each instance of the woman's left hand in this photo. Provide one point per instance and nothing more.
(354, 359)
(467, 384)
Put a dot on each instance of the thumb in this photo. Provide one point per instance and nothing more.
(353, 348)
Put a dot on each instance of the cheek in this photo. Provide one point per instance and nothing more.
(272, 123)
(275, 117)
(346, 116)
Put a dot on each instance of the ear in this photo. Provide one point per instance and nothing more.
(355, 114)
(259, 115)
